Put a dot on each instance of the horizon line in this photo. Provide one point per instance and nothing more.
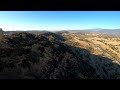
(59, 29)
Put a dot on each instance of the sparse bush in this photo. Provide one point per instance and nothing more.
(90, 48)
(51, 38)
(105, 43)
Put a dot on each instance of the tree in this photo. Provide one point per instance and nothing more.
(1, 31)
(1, 34)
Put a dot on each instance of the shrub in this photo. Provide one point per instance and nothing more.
(35, 54)
(1, 34)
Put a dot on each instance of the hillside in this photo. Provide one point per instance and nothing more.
(62, 55)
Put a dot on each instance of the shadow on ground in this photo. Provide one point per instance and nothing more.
(27, 56)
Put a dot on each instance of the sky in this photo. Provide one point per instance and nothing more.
(59, 20)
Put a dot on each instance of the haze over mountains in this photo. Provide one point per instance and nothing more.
(97, 30)
(85, 30)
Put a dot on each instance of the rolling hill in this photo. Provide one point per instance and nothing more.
(60, 55)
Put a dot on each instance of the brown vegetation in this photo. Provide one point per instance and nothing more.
(53, 56)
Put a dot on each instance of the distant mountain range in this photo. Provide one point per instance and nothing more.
(96, 30)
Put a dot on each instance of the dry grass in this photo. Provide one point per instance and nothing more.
(97, 45)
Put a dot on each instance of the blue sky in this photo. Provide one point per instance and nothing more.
(59, 20)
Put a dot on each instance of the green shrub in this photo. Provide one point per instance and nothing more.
(1, 34)
(35, 54)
